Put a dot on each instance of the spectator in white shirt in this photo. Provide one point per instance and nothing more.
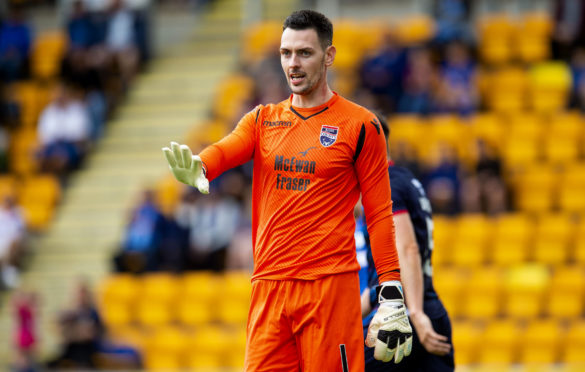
(64, 132)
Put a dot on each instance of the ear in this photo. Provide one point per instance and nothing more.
(330, 55)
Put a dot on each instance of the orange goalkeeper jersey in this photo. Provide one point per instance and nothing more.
(309, 168)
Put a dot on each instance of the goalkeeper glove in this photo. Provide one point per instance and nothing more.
(390, 333)
(186, 167)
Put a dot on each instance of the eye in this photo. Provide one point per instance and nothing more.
(285, 52)
(305, 53)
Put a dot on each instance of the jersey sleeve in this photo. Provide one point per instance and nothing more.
(372, 173)
(398, 197)
(234, 149)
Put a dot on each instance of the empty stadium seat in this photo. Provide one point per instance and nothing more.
(259, 40)
(8, 186)
(525, 289)
(535, 187)
(443, 234)
(47, 53)
(483, 293)
(449, 284)
(553, 236)
(511, 236)
(499, 342)
(153, 314)
(495, 33)
(574, 343)
(540, 342)
(466, 341)
(550, 83)
(561, 150)
(567, 295)
(489, 127)
(471, 240)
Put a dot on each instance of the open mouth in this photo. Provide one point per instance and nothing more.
(296, 77)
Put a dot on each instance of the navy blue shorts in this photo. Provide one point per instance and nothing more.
(419, 359)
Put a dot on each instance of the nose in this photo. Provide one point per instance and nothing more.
(295, 60)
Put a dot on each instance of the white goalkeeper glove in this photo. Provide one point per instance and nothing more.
(186, 167)
(390, 333)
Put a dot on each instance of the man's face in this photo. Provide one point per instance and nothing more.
(303, 60)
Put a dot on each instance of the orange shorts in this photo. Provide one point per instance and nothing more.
(305, 325)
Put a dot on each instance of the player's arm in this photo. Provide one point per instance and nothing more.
(389, 331)
(234, 149)
(412, 280)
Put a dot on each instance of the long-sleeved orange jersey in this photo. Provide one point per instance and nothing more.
(309, 168)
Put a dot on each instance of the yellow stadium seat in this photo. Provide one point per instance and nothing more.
(568, 125)
(567, 295)
(511, 237)
(47, 53)
(26, 94)
(506, 90)
(123, 288)
(161, 362)
(406, 128)
(415, 29)
(168, 340)
(443, 234)
(572, 367)
(41, 189)
(37, 217)
(235, 359)
(550, 83)
(532, 37)
(471, 240)
(203, 286)
(525, 289)
(209, 346)
(193, 312)
(153, 314)
(495, 33)
(561, 151)
(168, 193)
(535, 187)
(23, 148)
(488, 127)
(230, 94)
(483, 293)
(350, 49)
(571, 198)
(553, 236)
(449, 284)
(499, 342)
(259, 40)
(116, 314)
(525, 125)
(540, 342)
(519, 152)
(574, 343)
(8, 186)
(163, 288)
(466, 341)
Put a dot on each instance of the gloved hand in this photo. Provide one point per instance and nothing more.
(186, 167)
(390, 333)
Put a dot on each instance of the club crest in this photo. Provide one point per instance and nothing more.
(328, 135)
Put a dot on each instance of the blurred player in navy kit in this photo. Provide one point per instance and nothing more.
(432, 346)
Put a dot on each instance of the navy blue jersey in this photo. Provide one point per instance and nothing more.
(408, 196)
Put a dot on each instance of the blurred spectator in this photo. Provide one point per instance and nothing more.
(404, 155)
(569, 27)
(458, 91)
(578, 73)
(382, 74)
(15, 44)
(442, 181)
(80, 30)
(4, 146)
(452, 19)
(24, 307)
(64, 132)
(83, 344)
(121, 42)
(143, 234)
(212, 222)
(12, 237)
(239, 254)
(271, 86)
(484, 191)
(419, 77)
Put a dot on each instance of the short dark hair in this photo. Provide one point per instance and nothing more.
(305, 19)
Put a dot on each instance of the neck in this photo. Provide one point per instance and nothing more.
(317, 97)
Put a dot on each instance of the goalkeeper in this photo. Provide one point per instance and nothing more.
(432, 348)
(313, 154)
